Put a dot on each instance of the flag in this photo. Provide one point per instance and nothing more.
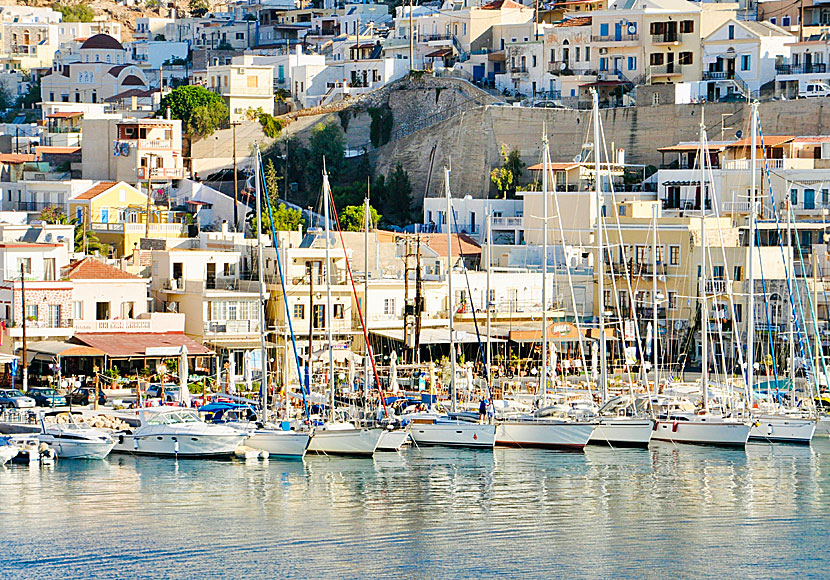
(2, 331)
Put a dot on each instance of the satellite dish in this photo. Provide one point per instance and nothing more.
(739, 133)
(578, 158)
(632, 28)
(563, 65)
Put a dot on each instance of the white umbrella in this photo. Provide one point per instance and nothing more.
(393, 372)
(468, 372)
(183, 372)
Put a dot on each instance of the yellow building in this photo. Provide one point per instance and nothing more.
(117, 214)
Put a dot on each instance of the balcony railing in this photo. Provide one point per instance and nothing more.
(801, 69)
(507, 222)
(161, 173)
(615, 37)
(434, 37)
(716, 75)
(35, 205)
(122, 325)
(518, 70)
(170, 228)
(666, 38)
(663, 70)
(715, 286)
(231, 327)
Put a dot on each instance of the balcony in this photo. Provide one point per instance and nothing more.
(716, 286)
(122, 228)
(231, 327)
(518, 70)
(40, 328)
(667, 38)
(161, 173)
(666, 70)
(717, 75)
(786, 163)
(507, 222)
(35, 205)
(120, 325)
(615, 38)
(801, 69)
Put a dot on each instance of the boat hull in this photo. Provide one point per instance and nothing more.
(546, 435)
(164, 445)
(452, 434)
(782, 430)
(392, 440)
(623, 432)
(358, 442)
(724, 434)
(285, 444)
(823, 425)
(78, 449)
(7, 453)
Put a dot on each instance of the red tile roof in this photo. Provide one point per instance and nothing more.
(94, 269)
(135, 344)
(769, 141)
(96, 190)
(438, 243)
(578, 21)
(16, 158)
(65, 115)
(41, 149)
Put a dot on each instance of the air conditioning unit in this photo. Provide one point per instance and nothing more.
(601, 77)
(782, 205)
(603, 51)
(825, 150)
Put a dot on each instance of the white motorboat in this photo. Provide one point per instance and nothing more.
(622, 424)
(530, 431)
(782, 429)
(31, 450)
(392, 439)
(72, 439)
(343, 438)
(176, 432)
(280, 443)
(432, 429)
(8, 450)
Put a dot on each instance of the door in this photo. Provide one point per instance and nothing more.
(618, 60)
(210, 278)
(618, 31)
(809, 199)
(730, 68)
(669, 62)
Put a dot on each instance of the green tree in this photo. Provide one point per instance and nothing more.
(502, 179)
(31, 97)
(327, 142)
(514, 164)
(201, 111)
(74, 12)
(396, 197)
(506, 177)
(285, 219)
(56, 215)
(272, 181)
(271, 126)
(198, 8)
(351, 218)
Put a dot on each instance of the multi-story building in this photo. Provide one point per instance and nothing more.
(244, 86)
(807, 63)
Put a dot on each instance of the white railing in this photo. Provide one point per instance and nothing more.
(231, 327)
(507, 222)
(122, 325)
(735, 206)
(161, 173)
(786, 163)
(173, 228)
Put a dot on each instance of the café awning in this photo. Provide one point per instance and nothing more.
(121, 345)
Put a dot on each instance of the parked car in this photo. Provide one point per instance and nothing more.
(171, 393)
(14, 399)
(547, 105)
(732, 98)
(815, 90)
(85, 395)
(47, 397)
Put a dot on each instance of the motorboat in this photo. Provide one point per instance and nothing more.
(31, 450)
(72, 439)
(678, 421)
(279, 441)
(8, 450)
(622, 424)
(343, 438)
(175, 432)
(435, 429)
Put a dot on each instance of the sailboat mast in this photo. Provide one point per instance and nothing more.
(260, 268)
(332, 381)
(655, 335)
(543, 376)
(487, 304)
(451, 309)
(704, 314)
(750, 278)
(603, 355)
(791, 317)
(366, 220)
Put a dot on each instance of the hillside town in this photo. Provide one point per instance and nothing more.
(247, 189)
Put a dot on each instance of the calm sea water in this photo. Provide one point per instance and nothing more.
(666, 512)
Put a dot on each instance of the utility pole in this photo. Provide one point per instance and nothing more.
(310, 324)
(149, 193)
(418, 299)
(801, 21)
(236, 184)
(357, 30)
(23, 311)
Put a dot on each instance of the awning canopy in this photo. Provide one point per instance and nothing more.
(142, 344)
(436, 336)
(53, 350)
(557, 332)
(236, 343)
(442, 53)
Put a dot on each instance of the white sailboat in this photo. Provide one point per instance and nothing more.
(335, 437)
(435, 429)
(680, 424)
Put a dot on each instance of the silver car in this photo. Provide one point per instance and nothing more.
(14, 399)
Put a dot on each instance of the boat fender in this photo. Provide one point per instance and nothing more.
(655, 426)
(674, 427)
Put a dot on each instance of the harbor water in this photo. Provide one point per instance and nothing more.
(665, 512)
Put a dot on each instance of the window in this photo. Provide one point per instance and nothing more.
(773, 20)
(319, 315)
(657, 27)
(672, 300)
(685, 58)
(533, 61)
(388, 306)
(738, 273)
(621, 211)
(587, 54)
(128, 310)
(299, 311)
(576, 54)
(632, 63)
(24, 264)
(655, 99)
(552, 55)
(731, 32)
(253, 81)
(825, 196)
(687, 26)
(739, 308)
(718, 272)
(338, 311)
(31, 312)
(603, 29)
(674, 255)
(622, 297)
(54, 314)
(102, 311)
(785, 21)
(78, 310)
(794, 196)
(240, 36)
(656, 59)
(49, 269)
(609, 303)
(603, 64)
(745, 62)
